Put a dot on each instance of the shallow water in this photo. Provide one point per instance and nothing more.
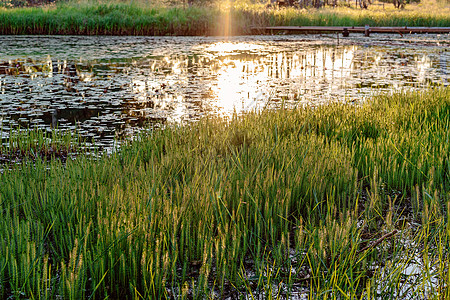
(109, 87)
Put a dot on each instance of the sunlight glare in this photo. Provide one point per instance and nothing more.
(226, 48)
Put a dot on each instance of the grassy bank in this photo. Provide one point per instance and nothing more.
(337, 201)
(96, 18)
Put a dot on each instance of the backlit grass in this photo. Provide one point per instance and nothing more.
(35, 144)
(138, 18)
(265, 204)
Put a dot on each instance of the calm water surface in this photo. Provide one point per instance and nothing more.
(109, 87)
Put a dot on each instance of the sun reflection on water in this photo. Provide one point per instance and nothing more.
(116, 96)
(226, 47)
(246, 82)
(237, 76)
(423, 65)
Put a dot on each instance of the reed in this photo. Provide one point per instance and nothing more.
(134, 18)
(337, 201)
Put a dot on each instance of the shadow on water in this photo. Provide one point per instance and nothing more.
(110, 87)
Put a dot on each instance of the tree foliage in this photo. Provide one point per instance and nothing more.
(22, 3)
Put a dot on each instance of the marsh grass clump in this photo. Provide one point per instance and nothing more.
(36, 144)
(97, 18)
(337, 201)
(215, 18)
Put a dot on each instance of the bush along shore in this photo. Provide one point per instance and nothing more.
(93, 18)
(335, 201)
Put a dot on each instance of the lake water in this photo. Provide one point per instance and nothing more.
(109, 87)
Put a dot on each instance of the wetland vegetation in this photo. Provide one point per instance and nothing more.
(332, 201)
(201, 18)
(302, 197)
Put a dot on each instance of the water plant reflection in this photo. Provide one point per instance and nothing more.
(111, 96)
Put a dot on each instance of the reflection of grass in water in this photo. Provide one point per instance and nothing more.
(286, 198)
(137, 18)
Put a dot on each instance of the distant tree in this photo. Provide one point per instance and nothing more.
(400, 3)
(22, 3)
(363, 4)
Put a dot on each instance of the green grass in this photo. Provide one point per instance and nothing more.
(287, 198)
(134, 18)
(37, 144)
(105, 19)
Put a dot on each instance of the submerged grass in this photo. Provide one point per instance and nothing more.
(266, 204)
(134, 18)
